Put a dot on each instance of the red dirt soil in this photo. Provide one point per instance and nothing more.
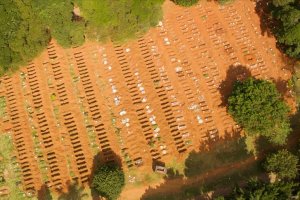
(154, 98)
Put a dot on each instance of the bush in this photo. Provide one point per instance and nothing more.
(283, 163)
(259, 190)
(108, 181)
(257, 106)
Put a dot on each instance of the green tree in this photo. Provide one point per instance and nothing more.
(257, 190)
(282, 2)
(22, 34)
(283, 163)
(257, 106)
(185, 2)
(57, 17)
(109, 181)
(28, 25)
(287, 13)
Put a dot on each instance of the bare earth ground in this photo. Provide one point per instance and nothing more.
(155, 98)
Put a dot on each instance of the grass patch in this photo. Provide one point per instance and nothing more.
(221, 153)
(137, 178)
(2, 107)
(230, 179)
(75, 78)
(224, 181)
(8, 164)
(204, 17)
(225, 2)
(56, 111)
(251, 145)
(205, 75)
(42, 164)
(176, 166)
(53, 97)
(92, 141)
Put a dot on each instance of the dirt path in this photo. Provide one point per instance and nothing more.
(176, 184)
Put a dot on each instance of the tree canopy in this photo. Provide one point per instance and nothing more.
(28, 25)
(109, 181)
(282, 2)
(57, 16)
(283, 163)
(257, 190)
(287, 12)
(257, 106)
(22, 34)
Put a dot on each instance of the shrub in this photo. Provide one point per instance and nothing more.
(283, 163)
(257, 106)
(108, 181)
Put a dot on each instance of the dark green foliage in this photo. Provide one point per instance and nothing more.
(219, 198)
(57, 16)
(256, 190)
(282, 2)
(185, 2)
(287, 12)
(109, 181)
(295, 81)
(257, 106)
(283, 163)
(28, 25)
(22, 34)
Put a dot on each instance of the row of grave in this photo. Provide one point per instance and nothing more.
(21, 135)
(68, 116)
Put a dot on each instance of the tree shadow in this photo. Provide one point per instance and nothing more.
(201, 168)
(75, 192)
(109, 157)
(283, 87)
(173, 179)
(216, 154)
(293, 143)
(233, 74)
(265, 147)
(44, 193)
(295, 121)
(270, 26)
(267, 24)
